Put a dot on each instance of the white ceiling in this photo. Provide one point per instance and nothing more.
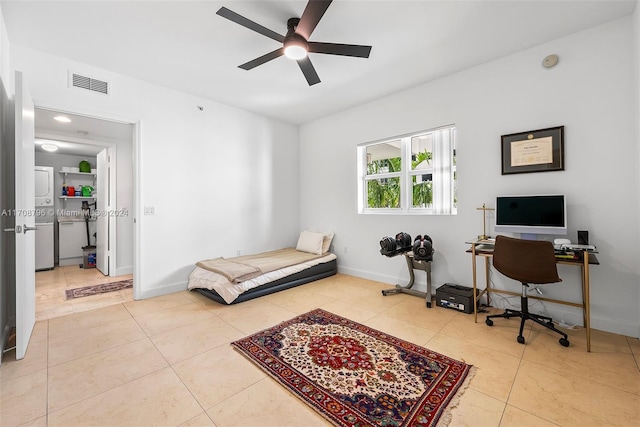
(184, 45)
(68, 136)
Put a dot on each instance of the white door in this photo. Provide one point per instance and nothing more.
(102, 206)
(25, 216)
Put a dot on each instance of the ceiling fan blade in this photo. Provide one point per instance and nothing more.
(264, 58)
(247, 23)
(357, 50)
(309, 72)
(311, 16)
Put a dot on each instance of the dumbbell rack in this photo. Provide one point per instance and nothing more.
(413, 264)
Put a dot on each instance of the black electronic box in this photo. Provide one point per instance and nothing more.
(456, 297)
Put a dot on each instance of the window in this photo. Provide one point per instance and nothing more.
(411, 174)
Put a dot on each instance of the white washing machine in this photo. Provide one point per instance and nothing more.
(44, 246)
(44, 232)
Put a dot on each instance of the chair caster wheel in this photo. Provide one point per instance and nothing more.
(489, 322)
(521, 339)
(564, 342)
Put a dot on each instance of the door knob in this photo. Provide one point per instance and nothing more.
(16, 230)
(27, 228)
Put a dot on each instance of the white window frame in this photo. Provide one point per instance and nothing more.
(443, 175)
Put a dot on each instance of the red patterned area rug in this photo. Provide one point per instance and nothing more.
(98, 289)
(355, 375)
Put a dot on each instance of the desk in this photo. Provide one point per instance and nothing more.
(483, 249)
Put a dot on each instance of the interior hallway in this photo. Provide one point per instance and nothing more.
(166, 361)
(51, 285)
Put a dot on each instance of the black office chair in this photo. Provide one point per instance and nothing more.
(529, 262)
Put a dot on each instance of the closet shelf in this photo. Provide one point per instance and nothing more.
(77, 173)
(76, 197)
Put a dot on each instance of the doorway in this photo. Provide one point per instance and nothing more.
(93, 237)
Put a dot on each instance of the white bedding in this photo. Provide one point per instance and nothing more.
(202, 278)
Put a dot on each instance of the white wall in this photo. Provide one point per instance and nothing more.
(5, 65)
(588, 93)
(220, 180)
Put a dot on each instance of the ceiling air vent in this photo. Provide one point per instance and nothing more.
(89, 83)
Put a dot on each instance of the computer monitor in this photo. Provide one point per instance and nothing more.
(531, 215)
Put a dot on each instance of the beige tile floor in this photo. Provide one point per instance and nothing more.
(167, 361)
(51, 284)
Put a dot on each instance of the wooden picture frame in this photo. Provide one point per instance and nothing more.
(539, 150)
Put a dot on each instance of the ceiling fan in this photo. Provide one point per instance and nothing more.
(296, 44)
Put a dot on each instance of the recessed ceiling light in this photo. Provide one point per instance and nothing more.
(63, 119)
(49, 147)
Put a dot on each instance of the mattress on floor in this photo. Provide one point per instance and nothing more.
(219, 288)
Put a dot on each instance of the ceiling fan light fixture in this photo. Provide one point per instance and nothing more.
(295, 52)
(295, 47)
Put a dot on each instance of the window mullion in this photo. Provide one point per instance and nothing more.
(405, 180)
(383, 175)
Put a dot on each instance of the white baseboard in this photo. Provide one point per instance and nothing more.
(365, 274)
(121, 271)
(616, 326)
(70, 261)
(162, 290)
(556, 311)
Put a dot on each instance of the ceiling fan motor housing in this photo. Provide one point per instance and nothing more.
(292, 24)
(294, 41)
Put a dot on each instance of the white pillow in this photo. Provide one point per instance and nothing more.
(328, 238)
(311, 242)
(326, 243)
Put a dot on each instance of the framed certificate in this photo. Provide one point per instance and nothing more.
(534, 151)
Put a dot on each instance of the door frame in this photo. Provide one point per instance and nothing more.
(136, 140)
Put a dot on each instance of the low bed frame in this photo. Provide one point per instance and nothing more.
(311, 274)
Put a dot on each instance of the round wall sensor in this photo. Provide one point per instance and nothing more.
(550, 61)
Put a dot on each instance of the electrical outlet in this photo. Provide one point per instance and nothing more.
(238, 252)
(346, 250)
(149, 210)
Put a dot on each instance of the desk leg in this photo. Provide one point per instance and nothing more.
(475, 286)
(586, 303)
(487, 268)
